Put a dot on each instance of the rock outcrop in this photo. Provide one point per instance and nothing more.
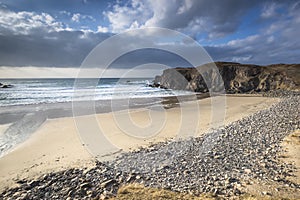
(233, 77)
(5, 85)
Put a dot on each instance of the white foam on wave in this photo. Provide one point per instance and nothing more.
(42, 91)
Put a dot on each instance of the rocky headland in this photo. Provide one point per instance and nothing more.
(233, 78)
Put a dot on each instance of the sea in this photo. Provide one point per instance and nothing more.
(49, 91)
(26, 105)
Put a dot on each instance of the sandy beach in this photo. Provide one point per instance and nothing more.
(56, 145)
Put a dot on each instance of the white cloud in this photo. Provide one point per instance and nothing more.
(271, 39)
(269, 10)
(129, 16)
(25, 22)
(101, 29)
(242, 59)
(72, 72)
(37, 72)
(75, 17)
(65, 13)
(244, 41)
(187, 5)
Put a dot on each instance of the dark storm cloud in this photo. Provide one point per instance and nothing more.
(216, 17)
(59, 49)
(145, 56)
(277, 43)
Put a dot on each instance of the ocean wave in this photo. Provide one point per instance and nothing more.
(42, 91)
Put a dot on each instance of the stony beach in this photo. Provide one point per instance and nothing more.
(225, 163)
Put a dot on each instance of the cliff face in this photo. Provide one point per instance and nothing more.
(235, 78)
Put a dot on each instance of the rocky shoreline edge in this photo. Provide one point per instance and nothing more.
(221, 162)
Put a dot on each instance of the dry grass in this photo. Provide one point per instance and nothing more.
(139, 192)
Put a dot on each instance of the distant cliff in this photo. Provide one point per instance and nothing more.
(236, 78)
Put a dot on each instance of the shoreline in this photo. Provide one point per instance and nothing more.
(14, 118)
(47, 150)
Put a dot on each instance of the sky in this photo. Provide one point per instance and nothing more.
(51, 38)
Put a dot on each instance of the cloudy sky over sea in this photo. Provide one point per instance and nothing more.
(44, 38)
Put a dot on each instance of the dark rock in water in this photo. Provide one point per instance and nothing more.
(157, 79)
(154, 85)
(156, 82)
(233, 77)
(5, 86)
